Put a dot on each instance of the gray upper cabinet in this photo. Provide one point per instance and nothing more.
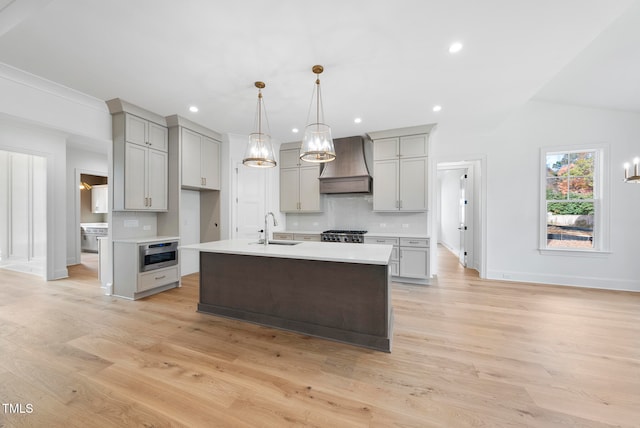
(200, 161)
(140, 159)
(145, 133)
(299, 184)
(400, 173)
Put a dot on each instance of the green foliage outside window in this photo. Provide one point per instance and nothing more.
(570, 179)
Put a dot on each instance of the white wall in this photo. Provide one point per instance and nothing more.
(513, 188)
(49, 105)
(38, 117)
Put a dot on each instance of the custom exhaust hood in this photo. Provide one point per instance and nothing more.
(348, 173)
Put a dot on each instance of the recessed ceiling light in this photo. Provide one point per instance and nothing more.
(437, 108)
(193, 109)
(357, 120)
(294, 130)
(455, 47)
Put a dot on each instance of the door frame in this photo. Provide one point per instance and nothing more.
(479, 164)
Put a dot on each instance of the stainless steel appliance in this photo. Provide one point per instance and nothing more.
(352, 236)
(158, 255)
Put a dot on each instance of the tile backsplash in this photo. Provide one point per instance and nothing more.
(355, 212)
(133, 224)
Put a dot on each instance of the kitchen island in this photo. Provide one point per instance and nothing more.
(335, 291)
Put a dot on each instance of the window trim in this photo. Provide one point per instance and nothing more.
(601, 226)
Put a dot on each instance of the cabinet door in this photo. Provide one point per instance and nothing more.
(413, 184)
(157, 180)
(191, 159)
(414, 262)
(394, 268)
(289, 158)
(135, 191)
(385, 185)
(309, 189)
(135, 130)
(158, 137)
(413, 146)
(386, 148)
(99, 199)
(210, 163)
(289, 189)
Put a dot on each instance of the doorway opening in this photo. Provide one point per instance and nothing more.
(460, 211)
(23, 213)
(93, 218)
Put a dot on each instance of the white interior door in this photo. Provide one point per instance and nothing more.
(250, 197)
(463, 217)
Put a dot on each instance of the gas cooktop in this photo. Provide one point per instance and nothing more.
(338, 235)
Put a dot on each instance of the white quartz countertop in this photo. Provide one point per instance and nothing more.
(102, 225)
(380, 234)
(323, 251)
(147, 239)
(398, 235)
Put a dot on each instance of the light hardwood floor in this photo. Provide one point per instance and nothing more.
(467, 353)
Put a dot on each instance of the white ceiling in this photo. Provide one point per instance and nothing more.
(386, 61)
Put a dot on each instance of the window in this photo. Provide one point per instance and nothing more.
(572, 211)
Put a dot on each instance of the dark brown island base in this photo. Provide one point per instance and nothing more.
(338, 292)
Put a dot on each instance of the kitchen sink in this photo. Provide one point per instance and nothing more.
(272, 242)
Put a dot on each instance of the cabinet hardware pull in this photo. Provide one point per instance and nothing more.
(161, 277)
(205, 181)
(380, 240)
(150, 202)
(146, 202)
(414, 242)
(400, 203)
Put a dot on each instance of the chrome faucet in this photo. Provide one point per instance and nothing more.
(266, 226)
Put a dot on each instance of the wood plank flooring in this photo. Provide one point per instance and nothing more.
(466, 353)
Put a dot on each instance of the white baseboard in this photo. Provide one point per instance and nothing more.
(618, 284)
(59, 274)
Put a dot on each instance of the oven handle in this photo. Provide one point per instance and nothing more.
(146, 251)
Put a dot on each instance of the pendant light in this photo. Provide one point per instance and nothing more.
(317, 144)
(259, 153)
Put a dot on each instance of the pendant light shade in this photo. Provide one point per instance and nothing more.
(317, 144)
(259, 153)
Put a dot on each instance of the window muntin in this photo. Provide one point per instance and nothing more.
(571, 202)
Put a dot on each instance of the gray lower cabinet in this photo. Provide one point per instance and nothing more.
(294, 236)
(394, 264)
(130, 283)
(409, 258)
(414, 258)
